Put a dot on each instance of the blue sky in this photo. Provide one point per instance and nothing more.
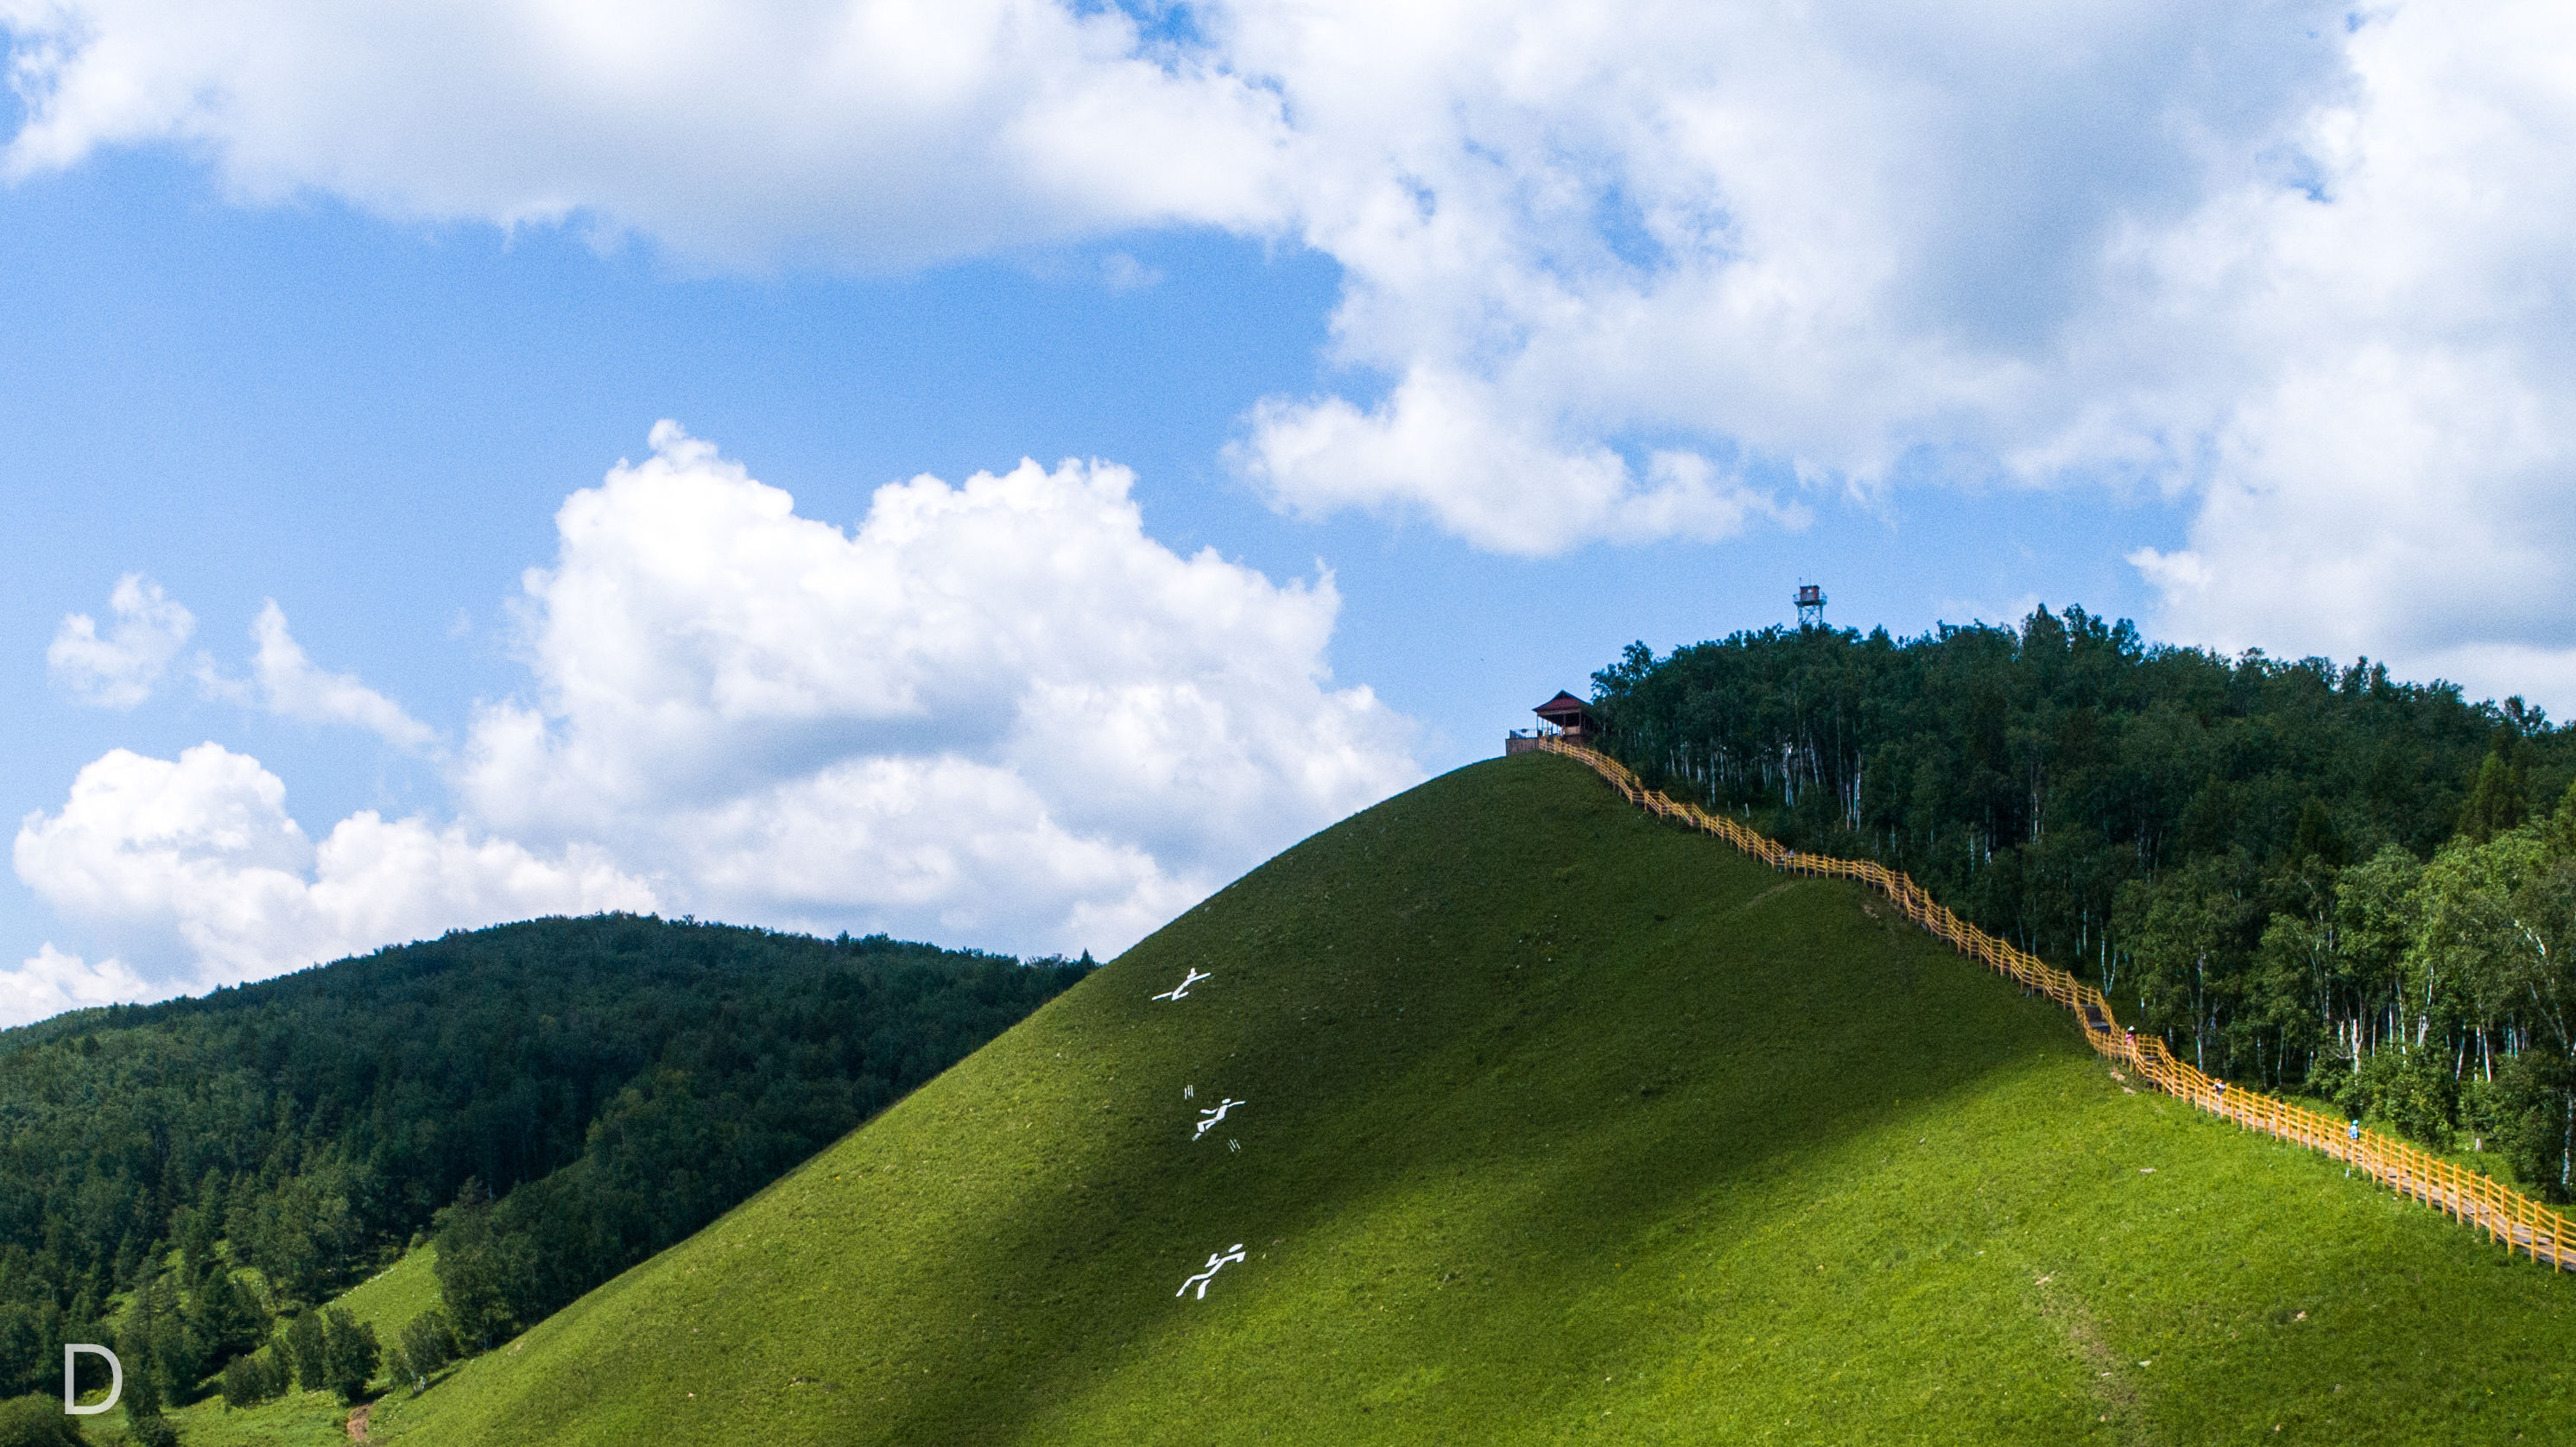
(1408, 368)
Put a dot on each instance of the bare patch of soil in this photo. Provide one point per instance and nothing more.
(2115, 1389)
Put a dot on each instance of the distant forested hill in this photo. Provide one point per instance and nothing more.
(2307, 875)
(641, 1075)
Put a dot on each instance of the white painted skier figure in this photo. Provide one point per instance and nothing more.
(1216, 1259)
(1211, 1117)
(1182, 990)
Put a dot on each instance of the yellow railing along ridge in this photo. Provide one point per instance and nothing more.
(2506, 1215)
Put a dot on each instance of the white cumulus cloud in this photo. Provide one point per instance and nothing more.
(50, 982)
(1801, 241)
(286, 681)
(194, 873)
(2395, 471)
(870, 132)
(995, 712)
(1442, 444)
(119, 669)
(1613, 271)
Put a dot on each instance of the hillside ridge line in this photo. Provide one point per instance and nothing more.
(2478, 1201)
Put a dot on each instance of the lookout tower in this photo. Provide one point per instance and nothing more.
(1811, 606)
(1563, 716)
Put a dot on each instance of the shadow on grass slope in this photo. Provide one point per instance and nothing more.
(1559, 1124)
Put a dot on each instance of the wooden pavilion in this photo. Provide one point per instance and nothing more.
(1564, 716)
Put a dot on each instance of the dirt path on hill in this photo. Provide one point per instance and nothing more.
(1766, 894)
(2115, 1391)
(358, 1422)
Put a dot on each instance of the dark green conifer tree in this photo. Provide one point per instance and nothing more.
(303, 1343)
(145, 1386)
(2495, 802)
(38, 1421)
(246, 1382)
(350, 1354)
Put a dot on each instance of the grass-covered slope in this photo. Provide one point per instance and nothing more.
(1561, 1125)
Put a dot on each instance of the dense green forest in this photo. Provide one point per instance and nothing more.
(2311, 877)
(203, 1168)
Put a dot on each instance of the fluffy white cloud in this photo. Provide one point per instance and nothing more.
(2394, 472)
(1619, 265)
(995, 712)
(875, 132)
(285, 681)
(942, 847)
(1442, 444)
(51, 982)
(119, 670)
(192, 870)
(1825, 239)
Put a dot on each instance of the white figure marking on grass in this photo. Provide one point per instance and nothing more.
(1182, 990)
(1215, 1259)
(1211, 1117)
(1234, 1145)
(1187, 1091)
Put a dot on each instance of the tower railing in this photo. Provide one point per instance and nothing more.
(2481, 1202)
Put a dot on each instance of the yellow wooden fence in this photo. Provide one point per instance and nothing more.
(2506, 1215)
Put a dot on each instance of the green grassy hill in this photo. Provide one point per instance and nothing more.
(1561, 1125)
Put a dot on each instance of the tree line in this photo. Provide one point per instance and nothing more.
(183, 1179)
(2311, 877)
